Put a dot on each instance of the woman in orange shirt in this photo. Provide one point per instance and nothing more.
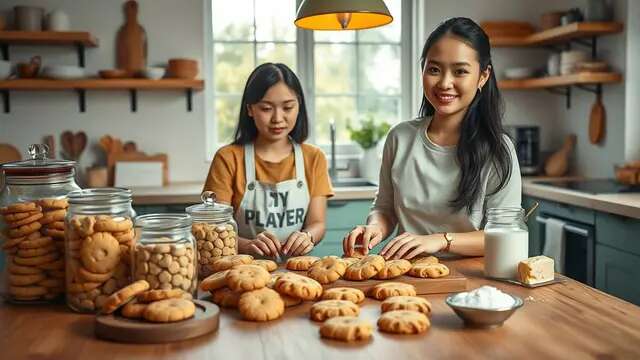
(277, 185)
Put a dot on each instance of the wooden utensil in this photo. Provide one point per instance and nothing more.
(597, 121)
(558, 163)
(79, 144)
(51, 144)
(131, 43)
(66, 141)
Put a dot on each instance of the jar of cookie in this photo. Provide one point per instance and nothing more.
(215, 231)
(165, 252)
(99, 241)
(33, 205)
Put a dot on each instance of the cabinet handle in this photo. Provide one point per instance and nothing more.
(337, 203)
(567, 227)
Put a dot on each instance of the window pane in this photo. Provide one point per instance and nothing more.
(335, 69)
(232, 22)
(274, 20)
(227, 111)
(340, 109)
(334, 36)
(390, 32)
(383, 109)
(282, 53)
(379, 69)
(232, 65)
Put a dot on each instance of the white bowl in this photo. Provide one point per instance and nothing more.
(64, 72)
(519, 73)
(154, 73)
(5, 69)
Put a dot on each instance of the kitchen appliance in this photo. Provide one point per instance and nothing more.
(527, 142)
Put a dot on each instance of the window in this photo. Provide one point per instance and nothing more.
(346, 75)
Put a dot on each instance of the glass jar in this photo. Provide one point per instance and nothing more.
(165, 252)
(506, 242)
(215, 231)
(33, 204)
(99, 240)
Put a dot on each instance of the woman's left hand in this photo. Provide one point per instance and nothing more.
(298, 243)
(408, 246)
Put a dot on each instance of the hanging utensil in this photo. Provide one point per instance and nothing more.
(66, 141)
(597, 121)
(79, 144)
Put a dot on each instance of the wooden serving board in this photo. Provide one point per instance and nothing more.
(117, 328)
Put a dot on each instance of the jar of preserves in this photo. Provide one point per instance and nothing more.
(506, 242)
(33, 206)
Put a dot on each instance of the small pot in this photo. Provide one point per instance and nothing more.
(183, 68)
(30, 69)
(28, 18)
(58, 20)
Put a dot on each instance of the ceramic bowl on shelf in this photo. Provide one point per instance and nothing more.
(484, 318)
(112, 73)
(153, 72)
(64, 72)
(519, 73)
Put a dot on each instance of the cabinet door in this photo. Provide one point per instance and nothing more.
(617, 273)
(347, 214)
(331, 244)
(619, 232)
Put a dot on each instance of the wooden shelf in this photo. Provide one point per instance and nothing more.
(564, 80)
(101, 84)
(561, 34)
(48, 38)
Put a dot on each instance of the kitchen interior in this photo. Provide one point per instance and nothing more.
(567, 70)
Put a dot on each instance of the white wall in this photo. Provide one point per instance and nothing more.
(162, 123)
(632, 87)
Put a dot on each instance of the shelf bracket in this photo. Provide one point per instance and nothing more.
(82, 100)
(591, 44)
(596, 89)
(5, 51)
(133, 99)
(80, 50)
(566, 92)
(5, 101)
(189, 100)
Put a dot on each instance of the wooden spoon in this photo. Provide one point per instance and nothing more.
(597, 121)
(66, 140)
(79, 144)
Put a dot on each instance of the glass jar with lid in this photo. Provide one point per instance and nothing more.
(99, 240)
(33, 205)
(165, 252)
(215, 231)
(506, 242)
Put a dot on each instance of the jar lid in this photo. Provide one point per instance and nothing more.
(163, 222)
(39, 164)
(106, 196)
(209, 209)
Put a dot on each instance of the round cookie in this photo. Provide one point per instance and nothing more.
(298, 286)
(169, 310)
(86, 275)
(427, 260)
(325, 309)
(350, 260)
(429, 270)
(247, 277)
(56, 225)
(156, 295)
(24, 230)
(28, 220)
(34, 242)
(25, 280)
(327, 270)
(27, 292)
(22, 270)
(268, 265)
(100, 252)
(54, 233)
(52, 216)
(9, 218)
(106, 223)
(19, 207)
(37, 260)
(124, 295)
(301, 263)
(261, 305)
(37, 251)
(365, 268)
(83, 225)
(53, 203)
(290, 301)
(356, 296)
(403, 322)
(389, 289)
(133, 309)
(346, 328)
(226, 297)
(413, 303)
(229, 261)
(214, 281)
(393, 269)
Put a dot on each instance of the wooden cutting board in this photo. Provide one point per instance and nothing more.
(131, 42)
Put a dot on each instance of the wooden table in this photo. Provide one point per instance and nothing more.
(561, 321)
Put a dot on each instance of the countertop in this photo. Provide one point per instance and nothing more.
(561, 321)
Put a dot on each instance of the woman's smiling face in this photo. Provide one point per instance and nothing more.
(451, 75)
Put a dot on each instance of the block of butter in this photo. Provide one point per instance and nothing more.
(535, 270)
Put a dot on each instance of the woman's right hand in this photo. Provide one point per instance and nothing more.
(367, 236)
(265, 244)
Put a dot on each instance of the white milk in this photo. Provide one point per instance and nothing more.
(503, 250)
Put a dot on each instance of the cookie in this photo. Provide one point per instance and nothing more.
(19, 207)
(86, 275)
(37, 260)
(403, 322)
(27, 292)
(365, 268)
(133, 309)
(346, 328)
(226, 297)
(290, 301)
(413, 303)
(327, 270)
(169, 310)
(428, 260)
(429, 270)
(112, 224)
(54, 233)
(53, 265)
(35, 242)
(124, 295)
(22, 270)
(75, 288)
(214, 281)
(9, 218)
(261, 305)
(83, 225)
(56, 225)
(268, 265)
(393, 269)
(11, 243)
(350, 260)
(298, 286)
(356, 296)
(53, 203)
(301, 263)
(247, 277)
(100, 253)
(227, 262)
(25, 280)
(37, 251)
(389, 289)
(125, 236)
(325, 309)
(156, 295)
(51, 216)
(24, 230)
(28, 220)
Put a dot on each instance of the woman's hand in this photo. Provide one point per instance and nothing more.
(265, 244)
(366, 235)
(408, 246)
(298, 243)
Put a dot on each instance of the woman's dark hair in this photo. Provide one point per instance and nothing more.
(260, 80)
(481, 135)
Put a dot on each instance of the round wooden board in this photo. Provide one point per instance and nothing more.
(117, 328)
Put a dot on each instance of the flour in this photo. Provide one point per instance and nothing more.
(485, 297)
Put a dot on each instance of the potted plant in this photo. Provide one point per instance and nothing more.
(367, 135)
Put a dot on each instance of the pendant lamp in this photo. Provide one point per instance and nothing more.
(342, 14)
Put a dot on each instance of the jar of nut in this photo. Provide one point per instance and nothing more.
(99, 240)
(33, 205)
(215, 231)
(165, 252)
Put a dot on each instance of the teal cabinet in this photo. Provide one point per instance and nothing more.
(342, 216)
(617, 273)
(618, 232)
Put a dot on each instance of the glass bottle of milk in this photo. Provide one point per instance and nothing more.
(506, 242)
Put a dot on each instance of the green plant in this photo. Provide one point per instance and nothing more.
(369, 133)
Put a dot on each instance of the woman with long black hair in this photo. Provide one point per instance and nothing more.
(442, 170)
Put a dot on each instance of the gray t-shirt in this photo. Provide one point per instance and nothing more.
(419, 178)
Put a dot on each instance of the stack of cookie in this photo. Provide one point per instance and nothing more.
(35, 265)
(98, 259)
(54, 211)
(166, 266)
(213, 241)
(160, 306)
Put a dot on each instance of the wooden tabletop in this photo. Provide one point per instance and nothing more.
(561, 321)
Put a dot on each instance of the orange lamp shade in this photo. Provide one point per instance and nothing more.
(342, 14)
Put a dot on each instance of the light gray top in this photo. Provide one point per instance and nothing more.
(419, 178)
